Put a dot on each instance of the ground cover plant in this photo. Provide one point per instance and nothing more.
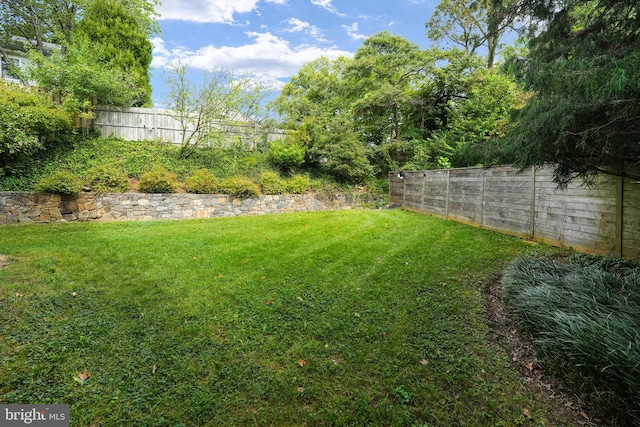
(336, 318)
(583, 315)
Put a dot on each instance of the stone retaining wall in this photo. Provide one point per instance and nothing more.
(25, 207)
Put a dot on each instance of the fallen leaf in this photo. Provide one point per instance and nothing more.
(299, 299)
(74, 294)
(528, 365)
(82, 377)
(154, 369)
(583, 415)
(424, 362)
(356, 314)
(300, 389)
(302, 363)
(195, 257)
(527, 414)
(18, 294)
(218, 276)
(269, 302)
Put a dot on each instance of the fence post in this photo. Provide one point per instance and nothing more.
(620, 213)
(532, 211)
(446, 208)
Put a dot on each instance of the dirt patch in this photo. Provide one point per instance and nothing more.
(4, 261)
(523, 359)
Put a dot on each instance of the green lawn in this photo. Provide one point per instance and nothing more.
(336, 318)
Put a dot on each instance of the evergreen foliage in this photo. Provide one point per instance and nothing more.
(60, 182)
(583, 70)
(119, 41)
(158, 180)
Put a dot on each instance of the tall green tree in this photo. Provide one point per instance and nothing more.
(54, 21)
(119, 42)
(316, 105)
(39, 21)
(473, 24)
(381, 79)
(583, 70)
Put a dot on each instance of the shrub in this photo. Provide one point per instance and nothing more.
(298, 184)
(60, 182)
(240, 186)
(286, 155)
(106, 179)
(202, 182)
(28, 122)
(584, 319)
(271, 183)
(158, 180)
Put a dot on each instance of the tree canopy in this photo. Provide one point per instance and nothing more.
(583, 71)
(394, 106)
(107, 39)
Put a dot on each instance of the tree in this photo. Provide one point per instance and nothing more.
(472, 24)
(118, 41)
(38, 21)
(78, 74)
(224, 103)
(315, 104)
(54, 21)
(583, 70)
(381, 79)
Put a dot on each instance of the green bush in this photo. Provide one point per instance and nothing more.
(202, 182)
(271, 183)
(287, 155)
(107, 179)
(240, 186)
(158, 180)
(28, 123)
(298, 184)
(60, 182)
(584, 319)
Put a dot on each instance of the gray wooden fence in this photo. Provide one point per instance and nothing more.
(140, 124)
(603, 219)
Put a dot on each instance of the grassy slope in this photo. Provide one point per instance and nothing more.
(339, 318)
(134, 158)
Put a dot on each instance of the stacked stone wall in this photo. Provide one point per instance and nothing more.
(25, 207)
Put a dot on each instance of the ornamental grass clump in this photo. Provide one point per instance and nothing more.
(584, 319)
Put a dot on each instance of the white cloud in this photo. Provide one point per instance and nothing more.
(214, 11)
(268, 56)
(352, 31)
(326, 4)
(297, 26)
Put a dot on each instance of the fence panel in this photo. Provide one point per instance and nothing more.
(602, 219)
(140, 124)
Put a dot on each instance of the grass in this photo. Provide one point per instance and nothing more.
(334, 318)
(583, 314)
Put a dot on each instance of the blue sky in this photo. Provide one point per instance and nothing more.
(274, 38)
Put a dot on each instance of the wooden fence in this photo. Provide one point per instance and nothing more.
(603, 219)
(140, 124)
